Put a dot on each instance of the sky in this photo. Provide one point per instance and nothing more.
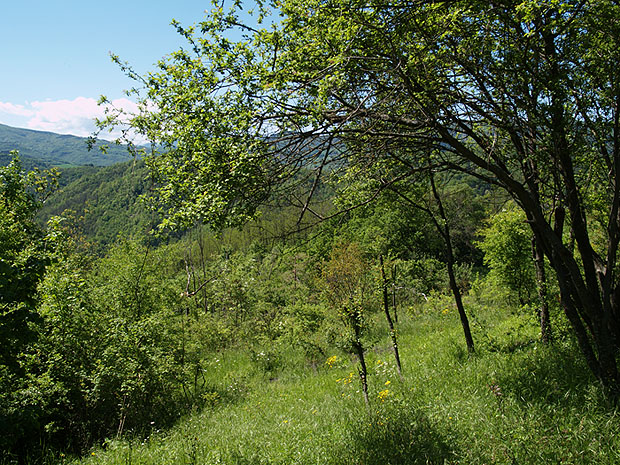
(55, 56)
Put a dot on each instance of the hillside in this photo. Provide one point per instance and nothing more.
(239, 351)
(52, 149)
(107, 198)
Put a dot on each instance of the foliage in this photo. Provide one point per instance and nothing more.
(109, 356)
(394, 90)
(21, 245)
(24, 255)
(507, 246)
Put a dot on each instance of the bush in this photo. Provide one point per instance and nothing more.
(506, 243)
(110, 355)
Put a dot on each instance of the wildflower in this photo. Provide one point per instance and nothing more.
(383, 395)
(331, 361)
(388, 382)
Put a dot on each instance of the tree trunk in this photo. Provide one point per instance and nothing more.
(541, 284)
(445, 233)
(582, 304)
(459, 303)
(363, 371)
(394, 294)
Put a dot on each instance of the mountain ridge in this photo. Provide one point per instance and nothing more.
(54, 149)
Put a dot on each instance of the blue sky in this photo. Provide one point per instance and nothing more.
(55, 55)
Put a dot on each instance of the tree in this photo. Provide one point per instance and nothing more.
(523, 95)
(346, 286)
(511, 254)
(388, 317)
(506, 240)
(24, 256)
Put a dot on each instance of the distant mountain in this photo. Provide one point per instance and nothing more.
(28, 163)
(46, 149)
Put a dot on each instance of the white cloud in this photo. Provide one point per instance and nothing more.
(15, 110)
(74, 117)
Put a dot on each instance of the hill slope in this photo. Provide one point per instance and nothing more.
(520, 403)
(107, 198)
(52, 149)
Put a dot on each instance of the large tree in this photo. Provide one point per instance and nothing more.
(524, 95)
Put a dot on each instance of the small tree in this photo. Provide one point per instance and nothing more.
(514, 259)
(347, 289)
(388, 317)
(505, 242)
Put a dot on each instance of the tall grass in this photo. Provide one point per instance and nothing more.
(514, 402)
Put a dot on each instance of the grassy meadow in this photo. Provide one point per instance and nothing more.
(513, 402)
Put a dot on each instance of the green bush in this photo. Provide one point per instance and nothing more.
(507, 246)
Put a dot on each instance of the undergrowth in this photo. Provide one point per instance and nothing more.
(515, 401)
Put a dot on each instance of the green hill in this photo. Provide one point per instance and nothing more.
(107, 198)
(50, 149)
(28, 163)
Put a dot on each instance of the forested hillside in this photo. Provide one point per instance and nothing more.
(385, 233)
(51, 149)
(101, 188)
(107, 199)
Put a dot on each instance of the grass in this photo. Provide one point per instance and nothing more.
(514, 402)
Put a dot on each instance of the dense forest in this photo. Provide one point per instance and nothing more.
(366, 233)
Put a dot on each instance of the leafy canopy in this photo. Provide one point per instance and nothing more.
(521, 94)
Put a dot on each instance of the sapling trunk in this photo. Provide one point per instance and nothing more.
(354, 320)
(445, 233)
(394, 294)
(358, 348)
(389, 320)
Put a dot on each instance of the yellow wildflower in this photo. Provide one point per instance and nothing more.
(331, 361)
